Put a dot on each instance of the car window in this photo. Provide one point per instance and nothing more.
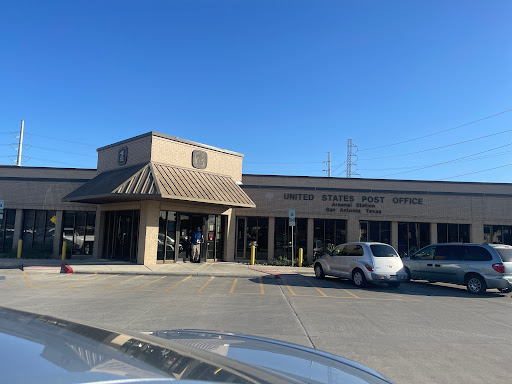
(426, 253)
(477, 254)
(383, 250)
(353, 250)
(505, 253)
(337, 251)
(449, 252)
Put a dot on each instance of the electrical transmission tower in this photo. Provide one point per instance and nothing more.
(351, 158)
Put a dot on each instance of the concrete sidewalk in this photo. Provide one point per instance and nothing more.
(180, 269)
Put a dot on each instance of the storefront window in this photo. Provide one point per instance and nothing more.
(412, 237)
(252, 231)
(121, 235)
(7, 229)
(166, 235)
(283, 238)
(498, 234)
(453, 233)
(378, 231)
(257, 235)
(39, 231)
(328, 233)
(78, 232)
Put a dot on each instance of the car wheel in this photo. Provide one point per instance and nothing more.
(394, 284)
(319, 272)
(408, 280)
(476, 284)
(359, 278)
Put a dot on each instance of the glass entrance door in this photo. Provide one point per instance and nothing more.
(121, 235)
(213, 238)
(188, 222)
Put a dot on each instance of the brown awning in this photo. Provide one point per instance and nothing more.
(153, 180)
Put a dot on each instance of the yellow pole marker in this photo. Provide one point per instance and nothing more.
(20, 245)
(64, 249)
(301, 256)
(253, 255)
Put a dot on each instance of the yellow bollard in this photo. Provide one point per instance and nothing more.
(64, 246)
(301, 256)
(20, 246)
(253, 255)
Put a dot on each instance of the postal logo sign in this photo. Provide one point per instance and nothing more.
(122, 156)
(199, 159)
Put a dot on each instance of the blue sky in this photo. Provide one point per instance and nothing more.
(283, 82)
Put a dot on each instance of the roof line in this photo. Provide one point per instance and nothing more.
(173, 138)
(354, 179)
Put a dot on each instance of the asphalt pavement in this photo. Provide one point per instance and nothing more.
(417, 333)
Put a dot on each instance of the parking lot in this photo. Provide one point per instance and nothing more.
(419, 332)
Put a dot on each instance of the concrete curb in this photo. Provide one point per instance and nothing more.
(195, 274)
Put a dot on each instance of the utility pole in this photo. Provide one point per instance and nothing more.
(328, 162)
(20, 144)
(349, 158)
(350, 163)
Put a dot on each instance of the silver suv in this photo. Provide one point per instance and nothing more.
(362, 263)
(477, 266)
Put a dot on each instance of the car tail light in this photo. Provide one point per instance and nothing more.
(499, 267)
(369, 267)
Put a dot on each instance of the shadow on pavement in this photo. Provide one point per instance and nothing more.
(413, 288)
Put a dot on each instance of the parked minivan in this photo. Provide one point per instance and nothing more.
(477, 266)
(362, 263)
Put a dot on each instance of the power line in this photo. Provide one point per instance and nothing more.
(439, 132)
(334, 170)
(459, 160)
(65, 140)
(472, 173)
(60, 151)
(448, 161)
(442, 146)
(271, 163)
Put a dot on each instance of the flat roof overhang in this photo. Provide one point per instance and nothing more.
(154, 181)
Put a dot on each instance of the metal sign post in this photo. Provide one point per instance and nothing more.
(291, 222)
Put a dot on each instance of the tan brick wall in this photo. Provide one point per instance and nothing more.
(448, 202)
(176, 153)
(139, 151)
(148, 232)
(40, 194)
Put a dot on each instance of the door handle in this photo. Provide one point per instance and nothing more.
(437, 265)
(429, 265)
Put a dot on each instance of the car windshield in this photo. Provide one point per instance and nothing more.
(505, 254)
(383, 250)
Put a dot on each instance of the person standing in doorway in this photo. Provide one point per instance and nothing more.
(197, 239)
